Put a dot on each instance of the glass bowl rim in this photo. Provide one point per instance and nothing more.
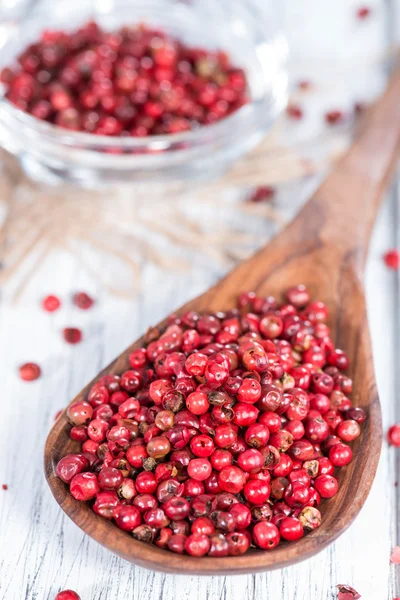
(67, 137)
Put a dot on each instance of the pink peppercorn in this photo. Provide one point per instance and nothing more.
(137, 81)
(225, 430)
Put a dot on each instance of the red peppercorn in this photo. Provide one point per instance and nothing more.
(310, 518)
(84, 486)
(143, 502)
(348, 430)
(231, 479)
(333, 117)
(393, 435)
(146, 482)
(346, 592)
(203, 525)
(127, 517)
(340, 455)
(326, 486)
(241, 514)
(271, 398)
(70, 465)
(355, 414)
(322, 383)
(325, 467)
(51, 303)
(249, 391)
(177, 542)
(105, 503)
(271, 420)
(257, 491)
(257, 435)
(164, 535)
(238, 543)
(216, 406)
(197, 544)
(223, 520)
(139, 76)
(199, 469)
(225, 436)
(294, 112)
(266, 535)
(297, 494)
(263, 193)
(321, 403)
(196, 364)
(97, 430)
(67, 595)
(29, 371)
(295, 428)
(197, 403)
(220, 459)
(219, 545)
(202, 445)
(363, 12)
(301, 450)
(176, 508)
(158, 447)
(83, 300)
(316, 429)
(392, 259)
(291, 529)
(284, 467)
(72, 335)
(251, 460)
(79, 413)
(302, 474)
(298, 296)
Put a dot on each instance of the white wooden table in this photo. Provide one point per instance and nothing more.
(41, 551)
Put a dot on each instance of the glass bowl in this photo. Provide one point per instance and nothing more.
(250, 31)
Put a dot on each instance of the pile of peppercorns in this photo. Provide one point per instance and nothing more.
(136, 82)
(224, 433)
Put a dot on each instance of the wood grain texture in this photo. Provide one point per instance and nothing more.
(324, 248)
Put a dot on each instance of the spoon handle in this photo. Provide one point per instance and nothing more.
(343, 210)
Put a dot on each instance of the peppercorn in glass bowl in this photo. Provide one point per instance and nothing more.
(245, 33)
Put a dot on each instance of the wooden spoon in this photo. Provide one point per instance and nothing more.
(325, 248)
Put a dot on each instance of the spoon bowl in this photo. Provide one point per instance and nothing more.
(324, 248)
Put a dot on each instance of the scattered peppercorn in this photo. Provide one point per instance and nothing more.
(294, 112)
(345, 592)
(83, 300)
(263, 193)
(304, 85)
(333, 117)
(51, 303)
(363, 12)
(29, 371)
(136, 81)
(392, 259)
(67, 595)
(393, 435)
(72, 335)
(395, 556)
(225, 431)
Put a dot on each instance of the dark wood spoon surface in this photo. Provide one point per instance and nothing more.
(325, 248)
